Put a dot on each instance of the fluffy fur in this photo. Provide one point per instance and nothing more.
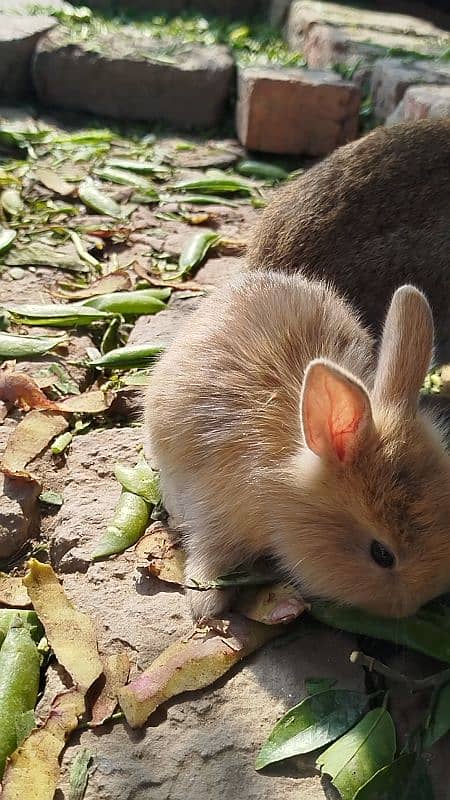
(279, 431)
(371, 216)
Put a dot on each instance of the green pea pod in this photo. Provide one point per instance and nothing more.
(131, 518)
(7, 237)
(143, 301)
(196, 250)
(11, 202)
(14, 346)
(19, 683)
(29, 618)
(132, 356)
(144, 167)
(123, 177)
(141, 480)
(417, 632)
(97, 201)
(217, 186)
(258, 169)
(56, 315)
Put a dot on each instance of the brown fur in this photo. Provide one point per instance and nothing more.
(372, 216)
(223, 413)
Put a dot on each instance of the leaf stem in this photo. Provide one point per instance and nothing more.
(413, 684)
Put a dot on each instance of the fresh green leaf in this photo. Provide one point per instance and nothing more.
(96, 200)
(131, 517)
(141, 480)
(29, 618)
(406, 778)
(196, 249)
(61, 443)
(216, 186)
(360, 753)
(315, 685)
(25, 723)
(14, 346)
(143, 301)
(133, 355)
(56, 315)
(313, 723)
(144, 167)
(260, 169)
(123, 177)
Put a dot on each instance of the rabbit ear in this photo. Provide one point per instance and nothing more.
(406, 349)
(335, 410)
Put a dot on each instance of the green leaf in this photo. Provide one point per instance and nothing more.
(423, 632)
(141, 480)
(145, 167)
(11, 202)
(123, 177)
(313, 723)
(405, 779)
(315, 685)
(29, 618)
(40, 254)
(56, 315)
(360, 753)
(133, 355)
(95, 199)
(51, 498)
(61, 443)
(78, 776)
(14, 346)
(260, 169)
(201, 200)
(131, 517)
(142, 301)
(196, 250)
(439, 723)
(7, 237)
(25, 723)
(217, 186)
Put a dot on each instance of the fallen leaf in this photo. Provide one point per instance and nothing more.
(160, 553)
(31, 437)
(20, 389)
(78, 776)
(51, 180)
(13, 592)
(274, 604)
(19, 511)
(88, 403)
(70, 633)
(114, 282)
(33, 770)
(116, 669)
(188, 665)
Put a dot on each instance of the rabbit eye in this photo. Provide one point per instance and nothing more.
(381, 555)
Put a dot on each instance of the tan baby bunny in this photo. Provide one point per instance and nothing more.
(278, 431)
(370, 217)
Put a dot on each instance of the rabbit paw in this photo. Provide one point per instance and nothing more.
(209, 604)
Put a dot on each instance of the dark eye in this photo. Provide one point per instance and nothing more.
(381, 555)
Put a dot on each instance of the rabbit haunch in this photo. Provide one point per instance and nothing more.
(278, 430)
(370, 217)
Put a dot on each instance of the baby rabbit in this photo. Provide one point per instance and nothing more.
(373, 215)
(278, 431)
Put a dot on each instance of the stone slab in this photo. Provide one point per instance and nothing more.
(391, 78)
(135, 77)
(422, 102)
(19, 35)
(295, 111)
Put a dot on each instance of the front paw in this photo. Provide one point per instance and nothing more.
(210, 603)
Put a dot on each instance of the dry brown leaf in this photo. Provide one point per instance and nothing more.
(191, 286)
(70, 633)
(51, 180)
(87, 403)
(272, 605)
(188, 665)
(231, 247)
(116, 669)
(31, 437)
(114, 282)
(33, 770)
(160, 553)
(20, 389)
(12, 592)
(19, 511)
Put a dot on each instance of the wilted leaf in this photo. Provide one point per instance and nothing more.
(51, 498)
(56, 315)
(114, 282)
(116, 669)
(140, 479)
(20, 665)
(123, 177)
(160, 553)
(13, 592)
(11, 202)
(143, 301)
(13, 346)
(70, 633)
(193, 663)
(196, 249)
(19, 388)
(96, 200)
(7, 237)
(313, 723)
(405, 779)
(87, 403)
(31, 436)
(131, 517)
(360, 753)
(39, 254)
(78, 775)
(274, 604)
(51, 180)
(33, 771)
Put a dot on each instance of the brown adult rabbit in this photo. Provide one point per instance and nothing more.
(373, 215)
(278, 431)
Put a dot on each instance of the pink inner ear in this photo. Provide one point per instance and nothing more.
(336, 412)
